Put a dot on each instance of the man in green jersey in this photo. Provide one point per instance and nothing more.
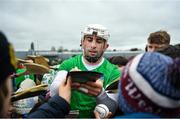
(94, 42)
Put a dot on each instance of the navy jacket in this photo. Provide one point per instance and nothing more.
(56, 107)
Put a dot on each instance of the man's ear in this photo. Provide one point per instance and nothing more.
(107, 45)
(146, 48)
(81, 43)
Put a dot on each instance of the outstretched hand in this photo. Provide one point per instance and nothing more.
(65, 90)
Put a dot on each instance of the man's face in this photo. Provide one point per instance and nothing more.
(152, 47)
(94, 47)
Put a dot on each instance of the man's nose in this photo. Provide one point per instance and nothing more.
(153, 49)
(93, 43)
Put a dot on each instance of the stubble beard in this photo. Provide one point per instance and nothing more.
(92, 59)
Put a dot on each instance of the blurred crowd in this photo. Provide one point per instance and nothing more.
(143, 86)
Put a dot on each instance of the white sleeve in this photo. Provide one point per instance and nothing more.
(60, 77)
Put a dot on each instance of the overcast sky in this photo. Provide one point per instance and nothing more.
(58, 23)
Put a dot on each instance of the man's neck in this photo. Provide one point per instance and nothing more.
(91, 66)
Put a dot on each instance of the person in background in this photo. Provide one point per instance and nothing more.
(177, 45)
(94, 43)
(157, 40)
(21, 69)
(8, 65)
(119, 61)
(172, 51)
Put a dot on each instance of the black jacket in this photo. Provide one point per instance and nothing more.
(56, 107)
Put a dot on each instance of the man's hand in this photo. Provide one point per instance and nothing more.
(97, 115)
(92, 88)
(65, 90)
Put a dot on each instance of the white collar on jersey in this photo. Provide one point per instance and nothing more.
(92, 67)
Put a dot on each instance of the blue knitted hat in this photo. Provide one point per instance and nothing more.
(147, 86)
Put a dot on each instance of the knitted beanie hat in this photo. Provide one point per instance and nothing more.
(7, 58)
(147, 85)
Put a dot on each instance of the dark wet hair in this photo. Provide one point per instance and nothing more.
(159, 37)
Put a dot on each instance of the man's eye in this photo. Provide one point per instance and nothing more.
(150, 46)
(89, 38)
(157, 47)
(99, 40)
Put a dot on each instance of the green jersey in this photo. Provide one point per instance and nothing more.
(81, 101)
